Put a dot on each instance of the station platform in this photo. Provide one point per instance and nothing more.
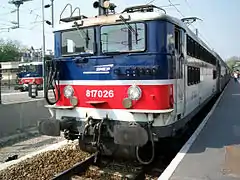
(214, 152)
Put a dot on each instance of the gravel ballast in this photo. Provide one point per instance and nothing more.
(45, 165)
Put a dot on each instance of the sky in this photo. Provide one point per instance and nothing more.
(220, 27)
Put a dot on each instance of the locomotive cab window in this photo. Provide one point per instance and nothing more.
(78, 41)
(123, 37)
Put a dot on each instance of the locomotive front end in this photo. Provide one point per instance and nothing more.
(29, 73)
(112, 85)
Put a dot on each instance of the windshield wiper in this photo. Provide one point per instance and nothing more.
(130, 28)
(81, 32)
(112, 53)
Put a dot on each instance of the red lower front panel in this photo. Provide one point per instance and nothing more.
(154, 97)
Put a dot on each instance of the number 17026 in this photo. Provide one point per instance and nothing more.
(100, 93)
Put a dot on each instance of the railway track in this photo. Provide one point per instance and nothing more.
(105, 168)
(77, 169)
(90, 168)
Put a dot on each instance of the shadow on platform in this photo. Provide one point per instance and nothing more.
(223, 127)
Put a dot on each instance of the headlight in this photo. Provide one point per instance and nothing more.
(134, 92)
(68, 91)
(74, 101)
(127, 103)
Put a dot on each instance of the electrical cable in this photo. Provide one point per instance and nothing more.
(153, 149)
(53, 80)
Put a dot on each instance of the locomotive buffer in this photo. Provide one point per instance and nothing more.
(215, 153)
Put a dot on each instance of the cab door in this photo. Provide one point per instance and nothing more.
(180, 71)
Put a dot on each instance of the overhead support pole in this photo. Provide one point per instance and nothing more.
(52, 13)
(18, 3)
(43, 50)
(18, 18)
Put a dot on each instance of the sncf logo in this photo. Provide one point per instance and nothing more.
(104, 68)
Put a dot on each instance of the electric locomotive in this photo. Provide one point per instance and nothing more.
(124, 81)
(29, 72)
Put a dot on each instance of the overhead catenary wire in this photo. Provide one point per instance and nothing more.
(9, 24)
(175, 8)
(191, 24)
(164, 6)
(173, 5)
(150, 2)
(21, 10)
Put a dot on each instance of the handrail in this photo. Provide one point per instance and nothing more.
(77, 8)
(64, 10)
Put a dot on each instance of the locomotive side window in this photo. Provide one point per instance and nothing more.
(123, 38)
(193, 75)
(77, 41)
(177, 40)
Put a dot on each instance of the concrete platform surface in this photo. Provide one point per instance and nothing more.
(18, 97)
(215, 154)
(28, 146)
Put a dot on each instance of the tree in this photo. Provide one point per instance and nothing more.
(233, 61)
(9, 50)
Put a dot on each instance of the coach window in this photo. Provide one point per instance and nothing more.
(200, 51)
(189, 75)
(189, 46)
(214, 60)
(207, 56)
(214, 74)
(197, 50)
(193, 75)
(193, 48)
(204, 55)
(198, 75)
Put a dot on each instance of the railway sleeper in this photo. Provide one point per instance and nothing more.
(118, 173)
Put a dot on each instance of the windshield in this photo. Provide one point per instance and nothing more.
(28, 68)
(77, 41)
(122, 38)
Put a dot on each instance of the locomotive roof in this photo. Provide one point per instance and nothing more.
(134, 17)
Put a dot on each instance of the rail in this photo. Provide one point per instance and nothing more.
(80, 168)
(77, 169)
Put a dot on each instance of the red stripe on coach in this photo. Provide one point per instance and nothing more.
(154, 97)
